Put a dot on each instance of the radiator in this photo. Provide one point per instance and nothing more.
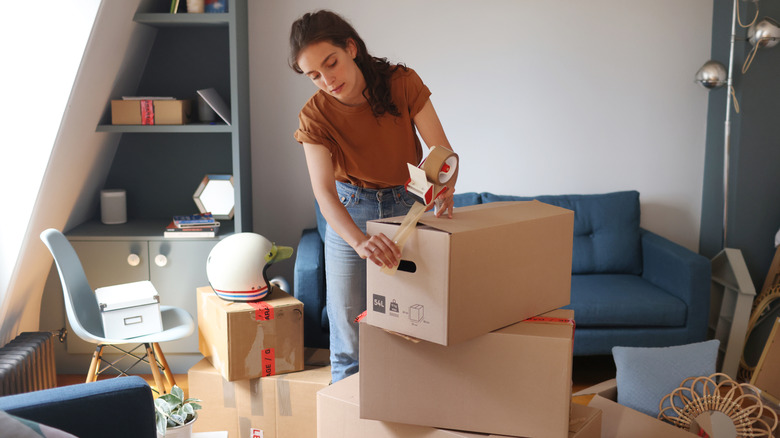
(27, 363)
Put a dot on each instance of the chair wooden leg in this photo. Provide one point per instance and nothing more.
(166, 369)
(155, 371)
(95, 364)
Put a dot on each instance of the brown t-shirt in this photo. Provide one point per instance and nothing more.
(368, 151)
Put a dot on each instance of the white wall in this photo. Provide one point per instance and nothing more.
(537, 97)
(41, 57)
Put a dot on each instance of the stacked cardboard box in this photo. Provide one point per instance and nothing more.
(466, 289)
(250, 340)
(338, 416)
(256, 378)
(280, 406)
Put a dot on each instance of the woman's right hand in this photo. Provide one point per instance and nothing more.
(380, 250)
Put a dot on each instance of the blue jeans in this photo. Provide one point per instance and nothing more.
(345, 271)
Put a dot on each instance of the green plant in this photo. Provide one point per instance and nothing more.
(173, 409)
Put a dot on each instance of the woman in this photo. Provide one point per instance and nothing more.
(358, 133)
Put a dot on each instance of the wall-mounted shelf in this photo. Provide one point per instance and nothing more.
(197, 128)
(175, 20)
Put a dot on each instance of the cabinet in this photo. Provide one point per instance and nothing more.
(161, 166)
(176, 268)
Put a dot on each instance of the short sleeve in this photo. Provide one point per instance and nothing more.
(310, 130)
(417, 93)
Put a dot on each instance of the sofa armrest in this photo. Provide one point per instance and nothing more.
(681, 272)
(118, 407)
(309, 286)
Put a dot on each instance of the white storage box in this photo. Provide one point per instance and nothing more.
(129, 310)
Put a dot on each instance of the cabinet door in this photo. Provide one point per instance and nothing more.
(176, 275)
(107, 263)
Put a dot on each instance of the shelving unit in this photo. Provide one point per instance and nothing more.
(161, 166)
(732, 294)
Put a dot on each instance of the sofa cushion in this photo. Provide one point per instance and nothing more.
(606, 230)
(620, 300)
(645, 375)
(465, 199)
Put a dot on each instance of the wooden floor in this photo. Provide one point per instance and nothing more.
(587, 371)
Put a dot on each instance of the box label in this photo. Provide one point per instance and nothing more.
(147, 112)
(263, 310)
(255, 433)
(379, 303)
(268, 361)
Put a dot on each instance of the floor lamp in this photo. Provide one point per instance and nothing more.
(733, 290)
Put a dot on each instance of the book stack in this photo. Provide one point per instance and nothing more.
(192, 226)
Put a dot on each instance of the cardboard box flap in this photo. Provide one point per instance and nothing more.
(619, 421)
(606, 389)
(481, 216)
(539, 325)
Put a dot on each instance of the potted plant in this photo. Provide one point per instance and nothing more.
(175, 414)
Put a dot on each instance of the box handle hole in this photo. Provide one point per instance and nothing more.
(407, 266)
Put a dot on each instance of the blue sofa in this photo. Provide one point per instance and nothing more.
(629, 286)
(119, 408)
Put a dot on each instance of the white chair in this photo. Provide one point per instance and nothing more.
(83, 312)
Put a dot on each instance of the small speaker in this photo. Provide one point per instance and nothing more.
(113, 206)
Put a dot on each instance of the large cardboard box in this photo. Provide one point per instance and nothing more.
(618, 421)
(296, 402)
(490, 266)
(338, 416)
(221, 400)
(163, 112)
(281, 406)
(513, 381)
(249, 340)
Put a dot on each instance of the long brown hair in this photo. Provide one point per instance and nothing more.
(328, 26)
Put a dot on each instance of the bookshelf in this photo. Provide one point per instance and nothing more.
(161, 166)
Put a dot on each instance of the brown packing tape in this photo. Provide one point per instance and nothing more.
(435, 170)
(256, 405)
(283, 398)
(228, 393)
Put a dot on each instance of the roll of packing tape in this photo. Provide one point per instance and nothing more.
(441, 170)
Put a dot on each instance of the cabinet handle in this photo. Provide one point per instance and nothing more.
(160, 260)
(133, 260)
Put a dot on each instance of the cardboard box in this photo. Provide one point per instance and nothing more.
(513, 381)
(282, 406)
(129, 310)
(164, 112)
(296, 402)
(338, 416)
(618, 421)
(249, 340)
(219, 410)
(490, 266)
(256, 403)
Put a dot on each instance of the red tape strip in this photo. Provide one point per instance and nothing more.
(361, 316)
(263, 310)
(268, 361)
(147, 112)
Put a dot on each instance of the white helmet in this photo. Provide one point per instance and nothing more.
(236, 266)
